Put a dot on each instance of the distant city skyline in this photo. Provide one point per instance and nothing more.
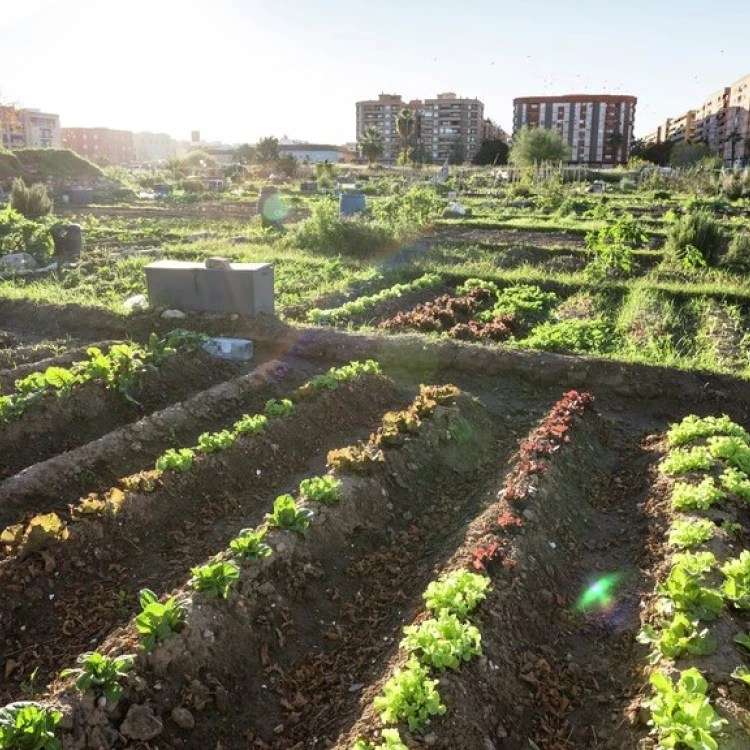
(238, 70)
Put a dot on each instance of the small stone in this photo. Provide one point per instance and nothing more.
(216, 261)
(18, 262)
(136, 302)
(173, 315)
(431, 739)
(356, 687)
(141, 724)
(183, 718)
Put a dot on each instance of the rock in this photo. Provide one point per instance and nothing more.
(216, 261)
(199, 236)
(183, 718)
(141, 724)
(173, 315)
(431, 739)
(136, 302)
(221, 697)
(18, 262)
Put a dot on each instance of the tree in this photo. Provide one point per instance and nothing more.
(458, 154)
(615, 140)
(405, 122)
(688, 154)
(371, 143)
(245, 153)
(198, 160)
(656, 153)
(287, 165)
(492, 152)
(267, 150)
(536, 145)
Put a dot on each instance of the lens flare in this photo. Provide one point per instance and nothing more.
(599, 595)
(276, 208)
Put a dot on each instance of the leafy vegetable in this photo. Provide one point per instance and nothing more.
(678, 636)
(410, 696)
(250, 545)
(286, 516)
(694, 428)
(681, 714)
(683, 460)
(158, 621)
(443, 643)
(736, 587)
(391, 741)
(213, 442)
(281, 408)
(214, 579)
(736, 481)
(321, 489)
(251, 425)
(733, 450)
(101, 673)
(684, 590)
(690, 532)
(702, 496)
(456, 593)
(175, 460)
(742, 674)
(28, 726)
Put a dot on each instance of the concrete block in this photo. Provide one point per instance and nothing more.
(243, 288)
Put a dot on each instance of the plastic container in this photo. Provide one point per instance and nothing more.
(227, 348)
(352, 203)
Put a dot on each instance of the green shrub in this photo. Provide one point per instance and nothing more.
(32, 203)
(738, 254)
(573, 335)
(696, 229)
(192, 185)
(19, 235)
(27, 726)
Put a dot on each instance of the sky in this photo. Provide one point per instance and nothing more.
(238, 70)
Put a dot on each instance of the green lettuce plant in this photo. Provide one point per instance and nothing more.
(101, 673)
(391, 741)
(214, 579)
(690, 532)
(457, 593)
(736, 586)
(287, 517)
(28, 726)
(255, 424)
(157, 621)
(324, 489)
(736, 482)
(176, 460)
(281, 408)
(213, 442)
(693, 428)
(683, 460)
(676, 637)
(443, 643)
(702, 496)
(249, 544)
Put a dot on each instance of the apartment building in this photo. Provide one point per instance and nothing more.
(446, 127)
(598, 128)
(493, 132)
(29, 128)
(452, 127)
(101, 145)
(722, 122)
(153, 147)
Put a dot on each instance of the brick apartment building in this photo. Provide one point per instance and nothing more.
(598, 129)
(444, 127)
(101, 144)
(29, 128)
(722, 122)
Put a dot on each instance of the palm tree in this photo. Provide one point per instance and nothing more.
(405, 122)
(371, 143)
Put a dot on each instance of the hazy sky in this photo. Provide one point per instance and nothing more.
(241, 69)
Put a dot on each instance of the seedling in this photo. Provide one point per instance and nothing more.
(213, 442)
(355, 458)
(743, 641)
(684, 590)
(28, 726)
(411, 697)
(158, 621)
(443, 643)
(680, 461)
(742, 674)
(285, 516)
(677, 637)
(324, 490)
(701, 496)
(101, 673)
(176, 460)
(690, 532)
(250, 545)
(456, 593)
(281, 408)
(732, 529)
(215, 579)
(251, 425)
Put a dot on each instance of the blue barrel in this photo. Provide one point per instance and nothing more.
(352, 203)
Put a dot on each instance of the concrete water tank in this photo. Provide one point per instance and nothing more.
(242, 288)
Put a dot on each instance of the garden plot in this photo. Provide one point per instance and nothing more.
(61, 407)
(160, 521)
